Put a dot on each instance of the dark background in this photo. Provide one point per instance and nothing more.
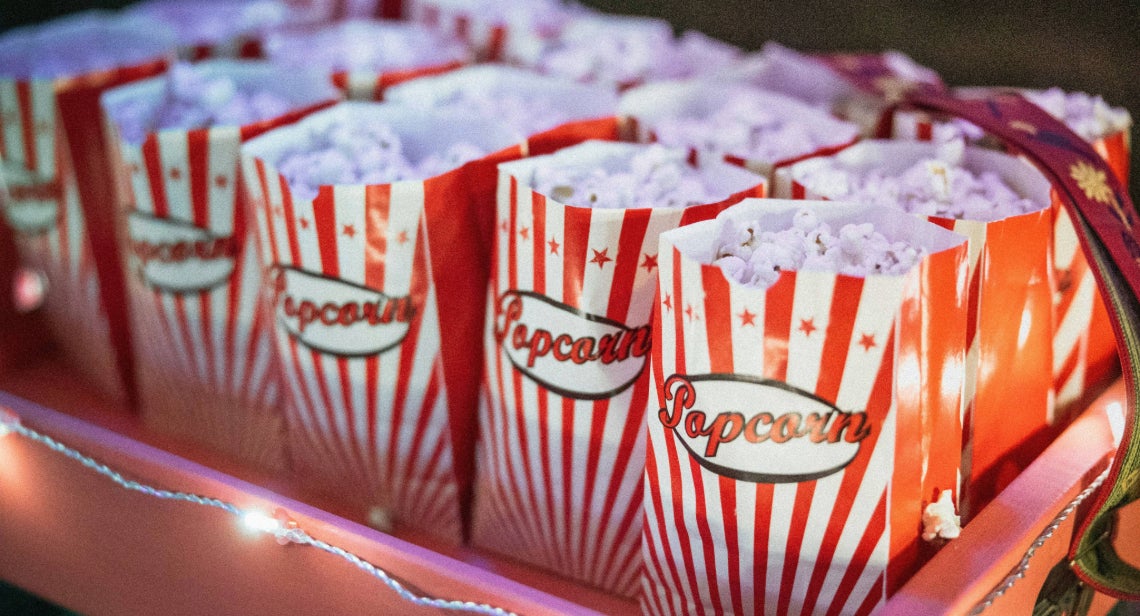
(1092, 47)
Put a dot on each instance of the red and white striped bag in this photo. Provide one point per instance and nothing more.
(205, 358)
(376, 296)
(490, 32)
(644, 107)
(1011, 324)
(803, 427)
(56, 187)
(1084, 350)
(561, 454)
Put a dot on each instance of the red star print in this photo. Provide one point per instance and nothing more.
(649, 263)
(600, 258)
(221, 181)
(689, 311)
(402, 238)
(867, 341)
(349, 231)
(553, 246)
(503, 226)
(175, 173)
(304, 223)
(668, 303)
(278, 211)
(807, 326)
(525, 233)
(747, 318)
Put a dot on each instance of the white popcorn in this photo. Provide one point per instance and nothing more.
(1088, 116)
(628, 50)
(82, 43)
(655, 176)
(931, 187)
(192, 100)
(939, 519)
(751, 128)
(213, 21)
(363, 152)
(527, 114)
(362, 45)
(755, 257)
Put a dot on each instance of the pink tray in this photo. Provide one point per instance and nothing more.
(75, 538)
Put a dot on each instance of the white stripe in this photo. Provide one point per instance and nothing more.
(250, 285)
(746, 540)
(43, 112)
(349, 214)
(670, 534)
(822, 507)
(812, 300)
(696, 342)
(605, 230)
(13, 131)
(140, 184)
(878, 305)
(224, 147)
(747, 340)
(866, 583)
(555, 230)
(1074, 323)
(645, 280)
(783, 499)
(405, 214)
(174, 155)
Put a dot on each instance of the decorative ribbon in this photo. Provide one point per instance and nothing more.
(1108, 227)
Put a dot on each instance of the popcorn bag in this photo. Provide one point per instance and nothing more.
(55, 186)
(559, 475)
(373, 295)
(755, 129)
(802, 428)
(206, 362)
(547, 112)
(365, 57)
(1084, 351)
(1008, 411)
(217, 28)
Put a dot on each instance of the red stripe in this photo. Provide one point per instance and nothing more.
(701, 518)
(404, 373)
(377, 208)
(206, 327)
(634, 224)
(267, 209)
(567, 470)
(798, 191)
(371, 376)
(512, 242)
(678, 321)
(778, 302)
(519, 420)
(506, 446)
(497, 43)
(258, 329)
(718, 319)
(423, 423)
(198, 145)
(792, 551)
(859, 560)
(634, 425)
(560, 558)
(651, 470)
(152, 160)
(924, 130)
(731, 540)
(972, 315)
(342, 369)
(27, 123)
(654, 580)
(233, 303)
(310, 408)
(761, 527)
(872, 600)
(538, 213)
(598, 412)
(330, 417)
(845, 300)
(576, 236)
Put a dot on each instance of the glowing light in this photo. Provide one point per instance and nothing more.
(261, 522)
(1115, 412)
(28, 289)
(8, 422)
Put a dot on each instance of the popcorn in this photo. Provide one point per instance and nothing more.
(654, 177)
(938, 186)
(83, 43)
(1088, 116)
(193, 99)
(749, 126)
(755, 257)
(527, 102)
(362, 152)
(213, 21)
(939, 520)
(626, 51)
(362, 45)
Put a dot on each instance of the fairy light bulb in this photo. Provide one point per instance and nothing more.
(281, 525)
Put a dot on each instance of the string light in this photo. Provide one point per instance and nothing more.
(280, 525)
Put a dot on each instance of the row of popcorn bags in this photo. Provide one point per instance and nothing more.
(57, 186)
(799, 429)
(559, 475)
(1084, 351)
(205, 364)
(1009, 359)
